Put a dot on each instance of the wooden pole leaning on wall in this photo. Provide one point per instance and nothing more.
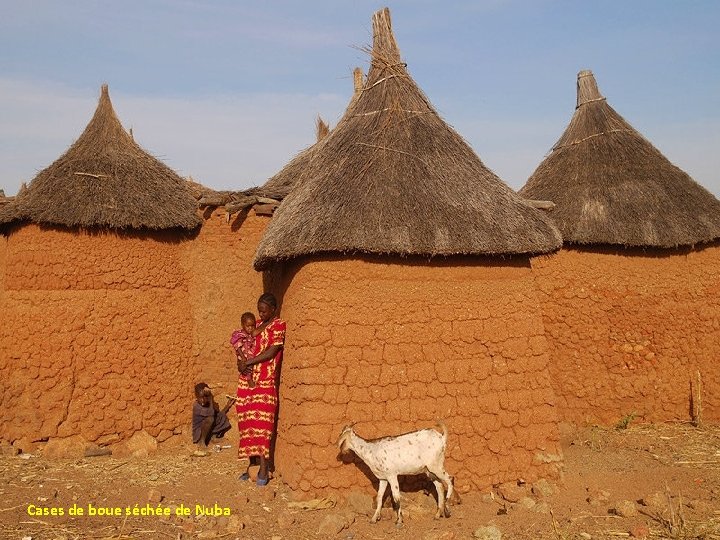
(696, 386)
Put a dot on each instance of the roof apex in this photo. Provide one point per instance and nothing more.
(587, 88)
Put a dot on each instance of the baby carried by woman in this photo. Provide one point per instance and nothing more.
(244, 343)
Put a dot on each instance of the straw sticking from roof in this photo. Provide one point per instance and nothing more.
(611, 186)
(393, 178)
(321, 129)
(358, 81)
(7, 209)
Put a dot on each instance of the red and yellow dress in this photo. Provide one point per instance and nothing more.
(256, 406)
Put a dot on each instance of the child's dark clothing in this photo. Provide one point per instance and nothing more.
(221, 423)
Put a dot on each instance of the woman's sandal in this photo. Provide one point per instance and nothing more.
(244, 477)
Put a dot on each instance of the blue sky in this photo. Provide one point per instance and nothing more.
(227, 91)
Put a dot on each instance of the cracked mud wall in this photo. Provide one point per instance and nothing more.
(3, 258)
(394, 346)
(628, 330)
(104, 334)
(95, 334)
(4, 315)
(222, 285)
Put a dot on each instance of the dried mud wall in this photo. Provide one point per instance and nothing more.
(4, 351)
(395, 346)
(95, 334)
(3, 258)
(222, 285)
(628, 330)
(105, 334)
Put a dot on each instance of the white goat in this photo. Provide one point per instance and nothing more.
(412, 453)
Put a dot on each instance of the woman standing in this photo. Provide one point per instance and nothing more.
(257, 405)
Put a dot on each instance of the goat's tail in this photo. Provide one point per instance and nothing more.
(443, 427)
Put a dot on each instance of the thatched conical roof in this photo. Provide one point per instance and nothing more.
(393, 178)
(106, 180)
(198, 190)
(279, 185)
(612, 186)
(7, 209)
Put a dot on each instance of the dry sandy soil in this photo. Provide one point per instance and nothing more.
(673, 468)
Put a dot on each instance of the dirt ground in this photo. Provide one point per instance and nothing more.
(674, 469)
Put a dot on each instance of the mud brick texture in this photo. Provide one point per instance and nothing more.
(628, 331)
(105, 333)
(394, 346)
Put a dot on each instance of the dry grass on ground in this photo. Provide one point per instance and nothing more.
(673, 468)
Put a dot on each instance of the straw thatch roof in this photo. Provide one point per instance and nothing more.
(612, 186)
(393, 178)
(322, 129)
(7, 209)
(198, 190)
(106, 180)
(279, 185)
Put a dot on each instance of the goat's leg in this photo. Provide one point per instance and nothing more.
(395, 488)
(380, 493)
(442, 502)
(440, 474)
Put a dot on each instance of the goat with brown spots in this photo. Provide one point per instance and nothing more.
(419, 452)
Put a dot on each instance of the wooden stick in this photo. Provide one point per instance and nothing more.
(265, 209)
(591, 516)
(542, 205)
(218, 200)
(92, 175)
(391, 150)
(358, 80)
(117, 466)
(267, 200)
(698, 399)
(234, 207)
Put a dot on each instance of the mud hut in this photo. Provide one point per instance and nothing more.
(95, 301)
(7, 210)
(7, 215)
(221, 280)
(408, 295)
(630, 303)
